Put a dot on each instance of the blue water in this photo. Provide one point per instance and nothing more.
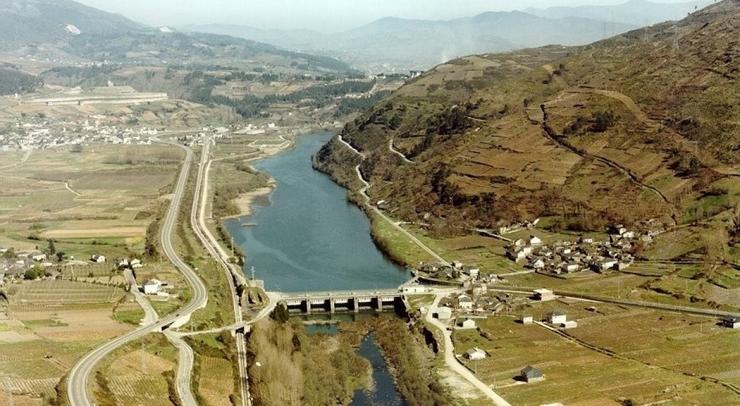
(309, 237)
(384, 392)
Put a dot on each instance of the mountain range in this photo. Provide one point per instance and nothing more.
(634, 12)
(64, 32)
(401, 44)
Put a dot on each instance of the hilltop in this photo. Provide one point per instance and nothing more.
(53, 21)
(642, 125)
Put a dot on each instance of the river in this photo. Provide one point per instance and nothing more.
(307, 236)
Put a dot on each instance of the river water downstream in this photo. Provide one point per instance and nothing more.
(308, 237)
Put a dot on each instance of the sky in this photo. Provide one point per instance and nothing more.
(319, 15)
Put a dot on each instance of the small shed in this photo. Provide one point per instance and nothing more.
(531, 374)
(569, 324)
(557, 317)
(467, 323)
(443, 313)
(527, 319)
(731, 322)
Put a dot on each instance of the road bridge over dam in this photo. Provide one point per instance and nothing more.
(343, 301)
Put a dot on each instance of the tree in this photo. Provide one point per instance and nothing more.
(52, 248)
(280, 314)
(33, 273)
(60, 256)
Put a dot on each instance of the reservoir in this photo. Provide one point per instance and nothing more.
(307, 236)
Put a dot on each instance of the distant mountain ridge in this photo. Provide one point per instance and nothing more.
(633, 12)
(63, 30)
(420, 44)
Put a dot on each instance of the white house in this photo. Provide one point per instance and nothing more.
(473, 272)
(152, 286)
(475, 354)
(465, 302)
(98, 258)
(571, 267)
(38, 257)
(534, 240)
(136, 263)
(538, 263)
(527, 319)
(557, 318)
(608, 263)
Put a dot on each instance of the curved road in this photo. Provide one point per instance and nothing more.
(80, 373)
(454, 364)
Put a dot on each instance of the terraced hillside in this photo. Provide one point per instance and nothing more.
(643, 125)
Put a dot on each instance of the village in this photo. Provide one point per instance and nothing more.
(16, 267)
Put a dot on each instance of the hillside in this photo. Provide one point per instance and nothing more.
(24, 22)
(396, 43)
(643, 125)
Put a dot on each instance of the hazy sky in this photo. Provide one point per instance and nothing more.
(321, 15)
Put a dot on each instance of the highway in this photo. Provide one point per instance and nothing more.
(79, 374)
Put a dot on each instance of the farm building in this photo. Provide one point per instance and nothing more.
(527, 319)
(443, 313)
(465, 302)
(531, 374)
(97, 258)
(543, 295)
(475, 354)
(152, 286)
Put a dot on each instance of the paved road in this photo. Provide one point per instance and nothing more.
(452, 361)
(410, 236)
(185, 360)
(150, 315)
(80, 373)
(393, 150)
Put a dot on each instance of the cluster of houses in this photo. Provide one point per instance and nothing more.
(456, 271)
(126, 263)
(36, 133)
(15, 263)
(566, 257)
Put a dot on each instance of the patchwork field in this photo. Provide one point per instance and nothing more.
(649, 356)
(46, 327)
(140, 373)
(105, 196)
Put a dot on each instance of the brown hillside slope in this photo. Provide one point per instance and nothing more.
(643, 125)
